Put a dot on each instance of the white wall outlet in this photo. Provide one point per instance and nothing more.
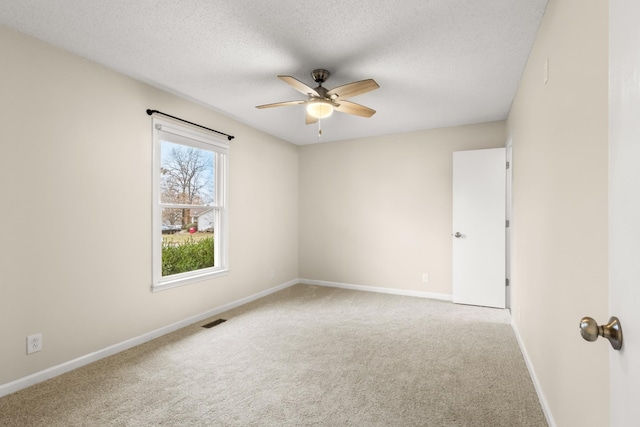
(273, 273)
(425, 277)
(34, 343)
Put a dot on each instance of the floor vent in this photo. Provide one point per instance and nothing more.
(214, 323)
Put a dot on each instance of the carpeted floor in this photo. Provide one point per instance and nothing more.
(305, 356)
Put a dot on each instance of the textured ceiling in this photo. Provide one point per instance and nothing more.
(438, 62)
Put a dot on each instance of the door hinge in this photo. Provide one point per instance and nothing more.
(507, 282)
(507, 223)
(508, 165)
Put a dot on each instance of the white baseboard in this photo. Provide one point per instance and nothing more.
(444, 297)
(62, 368)
(532, 373)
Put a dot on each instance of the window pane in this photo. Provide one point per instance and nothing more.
(187, 175)
(173, 220)
(187, 249)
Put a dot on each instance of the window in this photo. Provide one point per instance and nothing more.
(190, 241)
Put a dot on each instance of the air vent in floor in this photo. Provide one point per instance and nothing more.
(214, 323)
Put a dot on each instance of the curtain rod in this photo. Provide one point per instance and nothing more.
(229, 137)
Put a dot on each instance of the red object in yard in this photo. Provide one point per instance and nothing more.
(192, 230)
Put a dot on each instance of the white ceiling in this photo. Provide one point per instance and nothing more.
(438, 62)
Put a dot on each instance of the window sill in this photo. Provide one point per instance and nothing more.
(190, 278)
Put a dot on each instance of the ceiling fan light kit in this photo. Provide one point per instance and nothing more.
(322, 102)
(319, 109)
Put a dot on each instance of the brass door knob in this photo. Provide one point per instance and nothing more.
(612, 331)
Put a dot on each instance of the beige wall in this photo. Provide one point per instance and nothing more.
(560, 140)
(378, 211)
(75, 179)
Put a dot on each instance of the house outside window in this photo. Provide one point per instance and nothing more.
(190, 232)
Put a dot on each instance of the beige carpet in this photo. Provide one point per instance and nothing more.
(305, 356)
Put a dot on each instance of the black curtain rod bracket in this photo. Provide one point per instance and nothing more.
(229, 137)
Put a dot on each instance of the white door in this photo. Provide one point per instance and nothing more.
(479, 227)
(624, 209)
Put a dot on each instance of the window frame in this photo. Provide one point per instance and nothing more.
(174, 132)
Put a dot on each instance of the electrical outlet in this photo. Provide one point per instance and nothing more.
(273, 274)
(425, 277)
(34, 343)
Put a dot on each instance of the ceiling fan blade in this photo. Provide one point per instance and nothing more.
(353, 108)
(310, 119)
(298, 85)
(353, 89)
(280, 104)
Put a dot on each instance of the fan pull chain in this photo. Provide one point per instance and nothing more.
(319, 130)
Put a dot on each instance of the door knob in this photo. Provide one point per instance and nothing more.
(612, 331)
(457, 235)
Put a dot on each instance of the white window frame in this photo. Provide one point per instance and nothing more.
(171, 131)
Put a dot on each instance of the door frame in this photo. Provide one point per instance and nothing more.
(624, 207)
(509, 217)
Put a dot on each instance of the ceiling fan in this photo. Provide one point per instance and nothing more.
(323, 102)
